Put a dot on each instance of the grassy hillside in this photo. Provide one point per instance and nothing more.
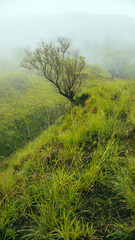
(28, 104)
(76, 180)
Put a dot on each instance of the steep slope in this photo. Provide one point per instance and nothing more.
(28, 104)
(76, 180)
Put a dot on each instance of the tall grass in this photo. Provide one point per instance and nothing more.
(76, 180)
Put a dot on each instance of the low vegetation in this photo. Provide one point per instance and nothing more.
(28, 105)
(77, 179)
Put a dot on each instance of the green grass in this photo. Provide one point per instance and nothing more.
(76, 181)
(28, 105)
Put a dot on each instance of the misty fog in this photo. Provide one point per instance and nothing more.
(107, 40)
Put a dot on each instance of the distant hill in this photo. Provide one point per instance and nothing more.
(103, 39)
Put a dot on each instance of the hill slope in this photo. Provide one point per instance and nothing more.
(76, 180)
(28, 104)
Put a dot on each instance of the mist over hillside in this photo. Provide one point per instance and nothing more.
(67, 127)
(103, 39)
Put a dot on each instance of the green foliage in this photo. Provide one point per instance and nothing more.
(76, 180)
(81, 99)
(28, 105)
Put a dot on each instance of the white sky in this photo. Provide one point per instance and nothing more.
(21, 7)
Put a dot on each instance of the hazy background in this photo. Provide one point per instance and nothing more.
(102, 30)
(17, 7)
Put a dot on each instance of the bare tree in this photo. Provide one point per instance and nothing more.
(61, 67)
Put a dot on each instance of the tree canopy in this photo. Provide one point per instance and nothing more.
(63, 68)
